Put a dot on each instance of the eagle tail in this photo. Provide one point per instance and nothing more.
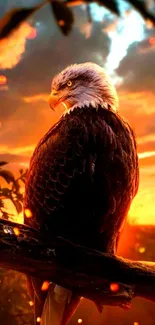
(59, 306)
(70, 309)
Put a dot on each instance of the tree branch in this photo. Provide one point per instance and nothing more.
(85, 271)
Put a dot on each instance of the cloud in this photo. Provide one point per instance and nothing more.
(144, 100)
(24, 123)
(136, 68)
(110, 26)
(35, 98)
(25, 150)
(86, 29)
(26, 116)
(146, 138)
(13, 47)
(13, 158)
(146, 154)
(139, 110)
(51, 51)
(147, 45)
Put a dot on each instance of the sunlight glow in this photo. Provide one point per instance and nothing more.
(25, 150)
(146, 138)
(123, 37)
(121, 31)
(13, 215)
(142, 210)
(146, 154)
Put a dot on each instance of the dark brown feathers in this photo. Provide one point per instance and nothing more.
(82, 178)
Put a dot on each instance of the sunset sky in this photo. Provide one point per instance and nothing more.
(35, 52)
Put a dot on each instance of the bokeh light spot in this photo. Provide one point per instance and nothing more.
(3, 79)
(45, 285)
(114, 287)
(16, 231)
(28, 213)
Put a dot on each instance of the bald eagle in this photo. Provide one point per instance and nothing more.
(84, 172)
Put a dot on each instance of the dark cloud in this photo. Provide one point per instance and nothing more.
(51, 51)
(137, 67)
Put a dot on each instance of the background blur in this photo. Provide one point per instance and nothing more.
(29, 57)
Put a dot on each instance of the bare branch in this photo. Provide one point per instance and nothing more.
(88, 272)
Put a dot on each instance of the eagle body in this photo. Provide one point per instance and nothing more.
(82, 178)
(83, 175)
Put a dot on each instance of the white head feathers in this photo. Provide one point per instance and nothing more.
(91, 86)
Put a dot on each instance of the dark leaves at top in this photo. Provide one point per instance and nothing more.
(112, 5)
(7, 175)
(63, 16)
(13, 19)
(142, 9)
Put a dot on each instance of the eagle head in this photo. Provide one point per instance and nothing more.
(81, 85)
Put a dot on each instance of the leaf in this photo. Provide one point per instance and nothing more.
(13, 19)
(89, 16)
(22, 179)
(1, 204)
(7, 175)
(17, 205)
(63, 16)
(19, 197)
(5, 193)
(112, 5)
(5, 215)
(142, 9)
(2, 163)
(15, 187)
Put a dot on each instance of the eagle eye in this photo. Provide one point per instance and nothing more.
(69, 83)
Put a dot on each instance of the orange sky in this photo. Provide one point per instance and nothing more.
(143, 208)
(24, 112)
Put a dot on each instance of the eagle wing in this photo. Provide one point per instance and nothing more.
(59, 158)
(83, 174)
(81, 181)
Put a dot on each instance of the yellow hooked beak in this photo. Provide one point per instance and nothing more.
(54, 99)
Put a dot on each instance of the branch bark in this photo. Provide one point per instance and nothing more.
(87, 272)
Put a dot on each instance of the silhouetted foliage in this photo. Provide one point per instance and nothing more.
(13, 19)
(14, 299)
(63, 14)
(13, 192)
(112, 5)
(2, 163)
